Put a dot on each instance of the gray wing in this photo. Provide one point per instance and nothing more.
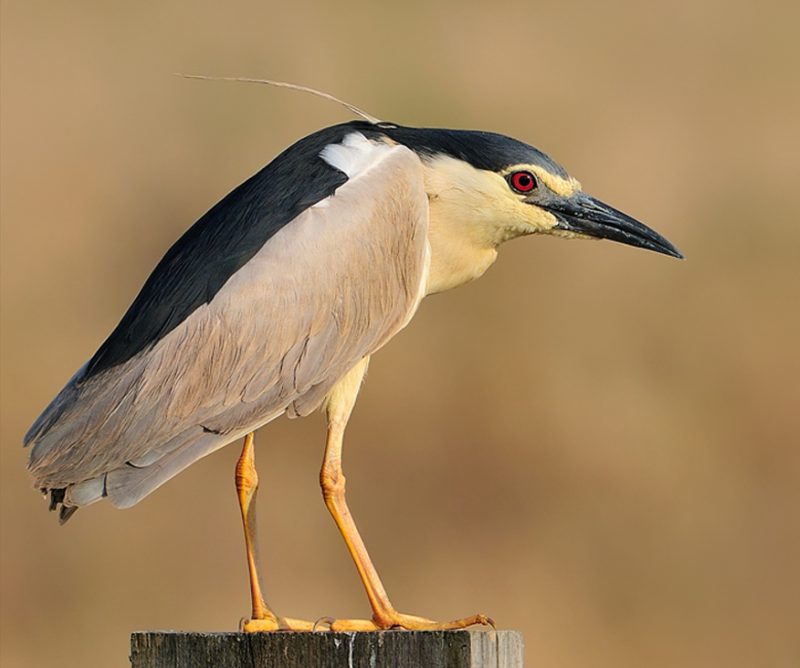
(328, 289)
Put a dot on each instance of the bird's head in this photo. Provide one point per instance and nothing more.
(485, 188)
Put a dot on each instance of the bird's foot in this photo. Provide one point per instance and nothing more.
(395, 620)
(274, 623)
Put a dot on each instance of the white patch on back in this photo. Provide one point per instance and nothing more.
(354, 154)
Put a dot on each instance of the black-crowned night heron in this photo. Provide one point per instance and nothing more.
(275, 300)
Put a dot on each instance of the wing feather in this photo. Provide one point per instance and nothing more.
(326, 290)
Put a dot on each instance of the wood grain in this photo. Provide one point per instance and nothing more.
(469, 648)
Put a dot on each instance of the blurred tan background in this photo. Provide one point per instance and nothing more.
(593, 444)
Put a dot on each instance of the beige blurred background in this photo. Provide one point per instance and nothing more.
(595, 445)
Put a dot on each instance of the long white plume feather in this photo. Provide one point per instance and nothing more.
(284, 84)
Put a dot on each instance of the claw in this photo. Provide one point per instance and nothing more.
(323, 620)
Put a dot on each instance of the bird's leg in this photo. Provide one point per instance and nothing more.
(246, 490)
(263, 619)
(332, 480)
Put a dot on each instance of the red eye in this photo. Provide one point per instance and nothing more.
(522, 182)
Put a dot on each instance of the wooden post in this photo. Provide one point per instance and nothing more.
(471, 648)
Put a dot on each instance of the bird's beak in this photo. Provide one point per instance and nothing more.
(586, 215)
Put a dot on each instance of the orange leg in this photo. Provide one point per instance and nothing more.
(332, 480)
(263, 619)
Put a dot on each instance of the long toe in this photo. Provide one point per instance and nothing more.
(396, 620)
(276, 624)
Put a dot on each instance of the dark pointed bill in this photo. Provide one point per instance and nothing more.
(584, 214)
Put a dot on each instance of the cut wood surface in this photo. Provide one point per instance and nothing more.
(471, 648)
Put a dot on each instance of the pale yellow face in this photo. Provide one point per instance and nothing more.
(473, 211)
(482, 204)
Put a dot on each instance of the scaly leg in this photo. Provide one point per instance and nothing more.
(263, 619)
(332, 480)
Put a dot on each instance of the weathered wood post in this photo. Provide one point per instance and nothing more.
(470, 648)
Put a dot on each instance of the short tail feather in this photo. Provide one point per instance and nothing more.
(129, 484)
(57, 503)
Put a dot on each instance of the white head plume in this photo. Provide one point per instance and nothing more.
(284, 84)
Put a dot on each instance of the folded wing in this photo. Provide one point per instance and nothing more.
(327, 289)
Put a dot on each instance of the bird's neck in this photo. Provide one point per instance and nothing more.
(457, 257)
(465, 223)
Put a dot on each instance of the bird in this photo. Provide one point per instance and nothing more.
(274, 302)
